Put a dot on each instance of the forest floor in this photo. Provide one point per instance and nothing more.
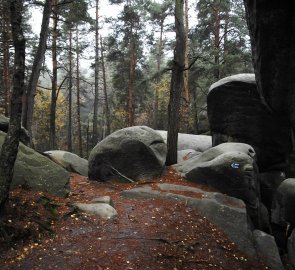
(44, 232)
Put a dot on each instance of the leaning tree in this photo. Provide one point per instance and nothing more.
(10, 146)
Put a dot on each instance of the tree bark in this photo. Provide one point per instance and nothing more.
(96, 76)
(176, 87)
(130, 102)
(80, 150)
(106, 99)
(70, 124)
(6, 67)
(54, 76)
(216, 32)
(186, 93)
(195, 108)
(10, 146)
(6, 40)
(159, 61)
(29, 97)
(225, 37)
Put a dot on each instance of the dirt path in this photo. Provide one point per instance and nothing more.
(147, 234)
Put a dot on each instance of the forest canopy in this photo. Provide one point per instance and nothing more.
(100, 73)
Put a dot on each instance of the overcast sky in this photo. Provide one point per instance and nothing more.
(105, 9)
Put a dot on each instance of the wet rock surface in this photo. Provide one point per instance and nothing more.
(24, 134)
(35, 171)
(229, 167)
(137, 152)
(199, 143)
(69, 161)
(236, 114)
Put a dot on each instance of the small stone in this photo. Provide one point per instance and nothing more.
(103, 199)
(103, 210)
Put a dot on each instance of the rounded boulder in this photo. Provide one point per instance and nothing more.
(136, 152)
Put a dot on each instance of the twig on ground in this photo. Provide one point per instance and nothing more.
(122, 175)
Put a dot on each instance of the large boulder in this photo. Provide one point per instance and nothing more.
(291, 248)
(283, 205)
(269, 182)
(229, 168)
(186, 154)
(136, 152)
(199, 143)
(290, 172)
(69, 161)
(267, 250)
(236, 114)
(282, 212)
(24, 134)
(37, 172)
(271, 28)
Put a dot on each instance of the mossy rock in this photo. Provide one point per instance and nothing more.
(38, 172)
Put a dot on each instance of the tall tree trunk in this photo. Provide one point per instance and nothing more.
(29, 97)
(80, 150)
(176, 87)
(130, 102)
(54, 76)
(10, 146)
(216, 27)
(87, 138)
(6, 42)
(195, 107)
(186, 94)
(6, 67)
(96, 97)
(70, 124)
(159, 61)
(225, 37)
(106, 99)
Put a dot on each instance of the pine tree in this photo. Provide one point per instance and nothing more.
(158, 15)
(28, 104)
(126, 51)
(176, 87)
(10, 146)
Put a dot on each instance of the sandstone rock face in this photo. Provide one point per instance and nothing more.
(186, 154)
(230, 168)
(137, 152)
(236, 114)
(269, 182)
(38, 172)
(291, 248)
(283, 205)
(273, 54)
(4, 123)
(69, 161)
(267, 250)
(199, 143)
